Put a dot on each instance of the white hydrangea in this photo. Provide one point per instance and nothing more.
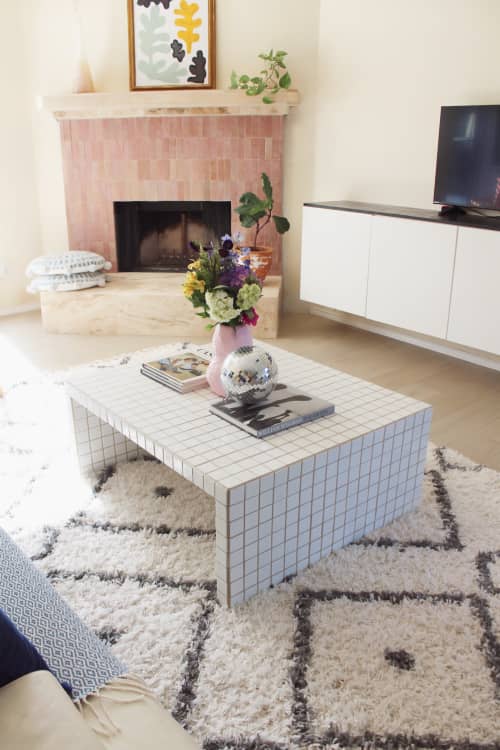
(220, 306)
(248, 296)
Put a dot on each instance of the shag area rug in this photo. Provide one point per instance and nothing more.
(393, 642)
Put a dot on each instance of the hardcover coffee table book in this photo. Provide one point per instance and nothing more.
(284, 501)
(183, 372)
(285, 407)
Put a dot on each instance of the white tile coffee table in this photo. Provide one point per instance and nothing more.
(282, 502)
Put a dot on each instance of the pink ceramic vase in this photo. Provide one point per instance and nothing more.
(225, 340)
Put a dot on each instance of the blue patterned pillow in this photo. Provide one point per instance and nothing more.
(73, 653)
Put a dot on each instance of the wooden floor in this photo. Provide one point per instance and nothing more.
(465, 397)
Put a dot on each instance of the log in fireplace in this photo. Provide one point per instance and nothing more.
(155, 235)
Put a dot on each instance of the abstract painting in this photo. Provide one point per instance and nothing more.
(172, 44)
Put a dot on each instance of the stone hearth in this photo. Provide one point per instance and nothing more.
(143, 303)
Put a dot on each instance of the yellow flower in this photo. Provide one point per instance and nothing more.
(195, 265)
(192, 284)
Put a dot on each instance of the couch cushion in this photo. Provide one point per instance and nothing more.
(72, 651)
(71, 283)
(17, 655)
(141, 723)
(36, 714)
(76, 261)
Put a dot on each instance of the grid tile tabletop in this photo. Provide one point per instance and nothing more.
(179, 430)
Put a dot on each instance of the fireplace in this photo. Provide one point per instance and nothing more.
(128, 156)
(155, 235)
(198, 157)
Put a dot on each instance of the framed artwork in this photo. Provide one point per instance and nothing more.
(171, 44)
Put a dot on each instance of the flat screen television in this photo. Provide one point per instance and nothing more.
(468, 158)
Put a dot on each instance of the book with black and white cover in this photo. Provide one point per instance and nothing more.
(285, 407)
(185, 371)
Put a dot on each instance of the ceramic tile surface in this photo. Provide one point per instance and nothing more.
(196, 158)
(284, 501)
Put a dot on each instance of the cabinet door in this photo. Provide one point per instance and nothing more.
(335, 249)
(475, 299)
(411, 269)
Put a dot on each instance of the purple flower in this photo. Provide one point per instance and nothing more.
(234, 276)
(227, 246)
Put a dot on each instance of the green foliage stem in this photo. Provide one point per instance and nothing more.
(258, 212)
(273, 78)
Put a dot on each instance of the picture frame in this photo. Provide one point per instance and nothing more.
(171, 44)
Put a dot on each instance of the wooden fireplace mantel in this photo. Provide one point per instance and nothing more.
(174, 103)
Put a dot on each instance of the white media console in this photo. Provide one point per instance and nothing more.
(407, 268)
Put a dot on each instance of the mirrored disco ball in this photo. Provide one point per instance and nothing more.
(249, 374)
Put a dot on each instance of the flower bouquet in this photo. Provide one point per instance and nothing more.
(222, 287)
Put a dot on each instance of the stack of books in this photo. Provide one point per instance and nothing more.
(184, 372)
(285, 407)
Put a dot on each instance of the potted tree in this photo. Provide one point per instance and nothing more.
(258, 212)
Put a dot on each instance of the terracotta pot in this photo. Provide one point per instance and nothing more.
(225, 339)
(261, 260)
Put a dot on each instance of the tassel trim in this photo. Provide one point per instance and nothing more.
(92, 707)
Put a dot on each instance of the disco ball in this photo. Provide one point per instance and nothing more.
(249, 374)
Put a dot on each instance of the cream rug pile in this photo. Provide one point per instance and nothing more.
(393, 642)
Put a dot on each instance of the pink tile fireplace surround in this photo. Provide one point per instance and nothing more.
(197, 158)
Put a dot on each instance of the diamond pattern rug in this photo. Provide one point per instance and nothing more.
(393, 642)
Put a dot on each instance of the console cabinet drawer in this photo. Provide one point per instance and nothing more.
(475, 301)
(335, 249)
(410, 277)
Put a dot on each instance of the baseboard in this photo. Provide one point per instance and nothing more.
(19, 309)
(474, 356)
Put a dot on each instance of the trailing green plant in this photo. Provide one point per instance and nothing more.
(258, 212)
(272, 79)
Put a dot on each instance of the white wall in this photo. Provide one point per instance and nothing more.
(243, 30)
(19, 220)
(373, 76)
(385, 69)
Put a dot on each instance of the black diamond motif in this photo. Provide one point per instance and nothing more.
(162, 491)
(109, 636)
(400, 659)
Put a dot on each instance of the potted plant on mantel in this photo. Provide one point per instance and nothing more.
(258, 212)
(273, 79)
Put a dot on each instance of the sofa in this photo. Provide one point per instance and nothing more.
(37, 714)
(47, 654)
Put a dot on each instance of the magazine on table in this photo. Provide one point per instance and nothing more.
(184, 371)
(285, 407)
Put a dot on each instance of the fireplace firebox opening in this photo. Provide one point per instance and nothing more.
(155, 235)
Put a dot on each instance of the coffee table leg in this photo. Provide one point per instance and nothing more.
(97, 443)
(275, 526)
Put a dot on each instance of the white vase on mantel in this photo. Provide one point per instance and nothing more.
(82, 82)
